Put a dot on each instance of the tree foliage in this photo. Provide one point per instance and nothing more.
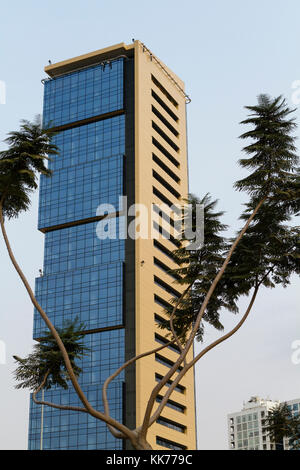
(21, 163)
(199, 268)
(46, 358)
(280, 423)
(264, 253)
(269, 252)
(272, 158)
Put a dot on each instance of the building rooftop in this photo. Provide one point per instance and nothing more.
(109, 53)
(256, 401)
(87, 60)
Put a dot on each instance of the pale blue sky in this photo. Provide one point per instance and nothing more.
(227, 53)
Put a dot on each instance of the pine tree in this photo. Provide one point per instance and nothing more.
(280, 423)
(268, 253)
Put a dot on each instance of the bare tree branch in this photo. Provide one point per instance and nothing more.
(50, 404)
(118, 371)
(200, 355)
(60, 407)
(200, 315)
(97, 414)
(136, 358)
(178, 342)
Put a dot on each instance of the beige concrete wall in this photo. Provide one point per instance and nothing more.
(145, 251)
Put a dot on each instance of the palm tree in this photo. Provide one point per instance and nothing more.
(20, 164)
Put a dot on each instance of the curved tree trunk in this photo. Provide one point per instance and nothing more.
(126, 432)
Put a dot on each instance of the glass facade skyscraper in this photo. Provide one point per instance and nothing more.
(83, 276)
(91, 101)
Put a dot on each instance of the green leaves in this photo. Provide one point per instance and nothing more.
(269, 251)
(47, 357)
(272, 155)
(280, 423)
(267, 254)
(20, 165)
(200, 268)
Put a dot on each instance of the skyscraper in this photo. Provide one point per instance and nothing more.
(120, 117)
(247, 428)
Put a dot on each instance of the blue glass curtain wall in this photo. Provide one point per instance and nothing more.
(83, 274)
(85, 177)
(83, 94)
(63, 429)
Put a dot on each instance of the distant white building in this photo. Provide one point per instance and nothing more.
(294, 406)
(246, 428)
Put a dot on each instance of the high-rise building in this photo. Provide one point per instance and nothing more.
(247, 428)
(120, 117)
